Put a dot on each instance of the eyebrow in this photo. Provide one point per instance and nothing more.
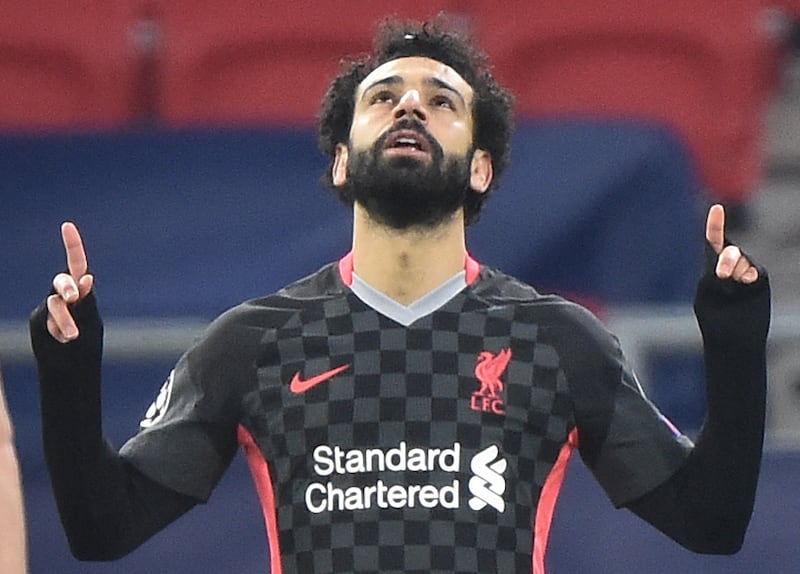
(430, 81)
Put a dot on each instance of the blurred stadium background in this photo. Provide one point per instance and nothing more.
(180, 137)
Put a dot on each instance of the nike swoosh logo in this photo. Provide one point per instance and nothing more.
(299, 385)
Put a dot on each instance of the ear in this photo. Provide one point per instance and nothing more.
(480, 171)
(339, 171)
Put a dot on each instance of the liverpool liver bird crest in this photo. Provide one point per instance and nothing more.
(489, 369)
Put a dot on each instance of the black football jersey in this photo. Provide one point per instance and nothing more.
(437, 446)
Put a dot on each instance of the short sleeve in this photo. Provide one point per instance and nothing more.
(641, 447)
(627, 443)
(188, 436)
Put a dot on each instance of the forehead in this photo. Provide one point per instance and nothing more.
(413, 71)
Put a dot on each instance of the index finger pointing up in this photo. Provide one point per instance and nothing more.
(715, 227)
(76, 256)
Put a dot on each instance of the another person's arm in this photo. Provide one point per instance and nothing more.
(13, 550)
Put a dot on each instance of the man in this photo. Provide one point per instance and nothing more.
(407, 409)
(13, 550)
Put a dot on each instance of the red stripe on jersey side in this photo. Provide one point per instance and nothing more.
(547, 501)
(346, 269)
(473, 269)
(263, 481)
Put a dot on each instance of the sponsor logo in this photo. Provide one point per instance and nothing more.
(490, 367)
(158, 409)
(335, 460)
(328, 498)
(487, 485)
(299, 385)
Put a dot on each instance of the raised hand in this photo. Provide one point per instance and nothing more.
(69, 287)
(731, 263)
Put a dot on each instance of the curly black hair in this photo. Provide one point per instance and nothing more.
(436, 39)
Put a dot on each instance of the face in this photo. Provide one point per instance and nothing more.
(411, 160)
(420, 88)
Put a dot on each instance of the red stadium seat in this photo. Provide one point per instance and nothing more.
(65, 64)
(262, 62)
(704, 68)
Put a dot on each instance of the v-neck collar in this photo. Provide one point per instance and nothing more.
(425, 305)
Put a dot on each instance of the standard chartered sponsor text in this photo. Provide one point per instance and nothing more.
(333, 460)
(327, 498)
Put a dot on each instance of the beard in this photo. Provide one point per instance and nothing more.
(406, 192)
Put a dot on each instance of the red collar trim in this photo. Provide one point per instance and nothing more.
(471, 267)
(346, 269)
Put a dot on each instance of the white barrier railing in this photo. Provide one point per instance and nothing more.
(125, 339)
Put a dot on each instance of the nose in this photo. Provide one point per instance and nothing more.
(410, 105)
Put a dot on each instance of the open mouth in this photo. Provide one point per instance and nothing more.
(407, 142)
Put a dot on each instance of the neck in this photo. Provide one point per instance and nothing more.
(406, 264)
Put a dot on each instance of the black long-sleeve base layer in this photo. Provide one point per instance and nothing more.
(108, 508)
(707, 505)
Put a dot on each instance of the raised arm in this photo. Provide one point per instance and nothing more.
(707, 505)
(106, 506)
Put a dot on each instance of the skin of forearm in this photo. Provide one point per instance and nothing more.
(13, 550)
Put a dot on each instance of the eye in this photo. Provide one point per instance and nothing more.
(382, 97)
(443, 101)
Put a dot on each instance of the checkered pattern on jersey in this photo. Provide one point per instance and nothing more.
(411, 386)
